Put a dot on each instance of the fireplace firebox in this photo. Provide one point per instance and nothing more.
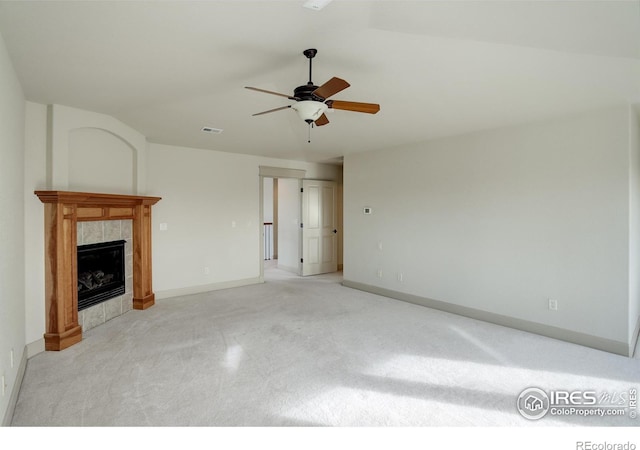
(101, 272)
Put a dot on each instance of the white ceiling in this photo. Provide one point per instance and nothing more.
(437, 68)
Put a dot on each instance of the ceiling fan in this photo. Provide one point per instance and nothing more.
(312, 101)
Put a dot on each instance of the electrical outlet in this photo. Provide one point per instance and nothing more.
(553, 304)
(379, 273)
(207, 271)
(400, 277)
(379, 245)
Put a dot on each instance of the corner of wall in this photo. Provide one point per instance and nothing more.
(12, 238)
(634, 224)
(15, 390)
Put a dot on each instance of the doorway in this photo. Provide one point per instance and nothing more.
(281, 223)
(285, 243)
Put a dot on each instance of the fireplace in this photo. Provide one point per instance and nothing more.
(63, 211)
(101, 272)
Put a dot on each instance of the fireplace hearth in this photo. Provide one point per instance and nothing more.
(101, 272)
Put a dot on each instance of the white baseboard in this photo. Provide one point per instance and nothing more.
(634, 339)
(34, 348)
(587, 340)
(207, 287)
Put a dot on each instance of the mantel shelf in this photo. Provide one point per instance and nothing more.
(93, 199)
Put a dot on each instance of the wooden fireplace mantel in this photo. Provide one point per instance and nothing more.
(63, 210)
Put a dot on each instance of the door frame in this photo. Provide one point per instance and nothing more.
(272, 172)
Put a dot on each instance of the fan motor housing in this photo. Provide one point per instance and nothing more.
(306, 93)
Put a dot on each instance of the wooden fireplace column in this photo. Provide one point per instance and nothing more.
(63, 210)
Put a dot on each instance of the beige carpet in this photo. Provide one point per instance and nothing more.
(307, 352)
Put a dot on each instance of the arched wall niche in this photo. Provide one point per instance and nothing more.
(101, 161)
(79, 141)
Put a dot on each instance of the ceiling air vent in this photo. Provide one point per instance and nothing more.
(316, 5)
(211, 130)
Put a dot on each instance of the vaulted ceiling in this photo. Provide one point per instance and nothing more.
(437, 68)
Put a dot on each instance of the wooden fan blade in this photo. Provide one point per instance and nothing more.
(322, 120)
(370, 108)
(271, 110)
(331, 87)
(271, 92)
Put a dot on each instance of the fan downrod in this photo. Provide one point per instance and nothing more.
(310, 53)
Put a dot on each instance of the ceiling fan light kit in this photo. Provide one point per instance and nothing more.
(309, 110)
(313, 101)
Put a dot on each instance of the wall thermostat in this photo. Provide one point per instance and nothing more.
(367, 210)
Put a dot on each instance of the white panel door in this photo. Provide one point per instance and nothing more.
(319, 232)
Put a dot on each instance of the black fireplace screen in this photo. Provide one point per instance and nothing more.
(101, 273)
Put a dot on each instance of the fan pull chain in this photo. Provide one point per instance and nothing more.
(309, 138)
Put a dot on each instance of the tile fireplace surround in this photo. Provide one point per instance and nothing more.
(62, 212)
(99, 232)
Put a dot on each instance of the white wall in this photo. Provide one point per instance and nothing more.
(501, 221)
(100, 161)
(210, 203)
(339, 201)
(12, 268)
(35, 156)
(289, 224)
(268, 199)
(268, 216)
